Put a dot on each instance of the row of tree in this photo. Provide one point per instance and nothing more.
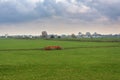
(80, 35)
(46, 35)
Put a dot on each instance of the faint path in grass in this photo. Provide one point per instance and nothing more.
(89, 40)
(34, 49)
(92, 47)
(20, 49)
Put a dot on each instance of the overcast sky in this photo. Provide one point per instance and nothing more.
(59, 16)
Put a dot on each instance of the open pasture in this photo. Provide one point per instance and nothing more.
(22, 59)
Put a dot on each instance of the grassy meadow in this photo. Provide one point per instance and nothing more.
(77, 61)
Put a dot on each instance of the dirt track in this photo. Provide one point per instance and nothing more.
(62, 49)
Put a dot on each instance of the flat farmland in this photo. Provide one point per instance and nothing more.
(22, 59)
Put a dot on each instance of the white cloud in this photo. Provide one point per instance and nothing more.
(34, 1)
(61, 1)
(109, 1)
(73, 8)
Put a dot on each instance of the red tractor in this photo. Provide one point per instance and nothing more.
(52, 48)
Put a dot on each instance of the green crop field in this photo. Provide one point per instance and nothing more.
(22, 59)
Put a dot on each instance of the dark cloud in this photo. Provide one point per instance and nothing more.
(107, 8)
(85, 10)
(11, 12)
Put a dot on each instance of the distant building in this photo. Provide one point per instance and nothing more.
(96, 35)
(6, 35)
(63, 36)
(30, 36)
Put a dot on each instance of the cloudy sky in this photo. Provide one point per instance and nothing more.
(59, 16)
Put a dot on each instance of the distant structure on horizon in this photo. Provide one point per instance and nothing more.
(6, 35)
(45, 35)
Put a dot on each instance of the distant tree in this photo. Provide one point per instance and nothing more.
(88, 34)
(44, 34)
(80, 33)
(73, 36)
(95, 34)
(59, 36)
(52, 36)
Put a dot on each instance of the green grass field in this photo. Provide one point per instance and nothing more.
(86, 61)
